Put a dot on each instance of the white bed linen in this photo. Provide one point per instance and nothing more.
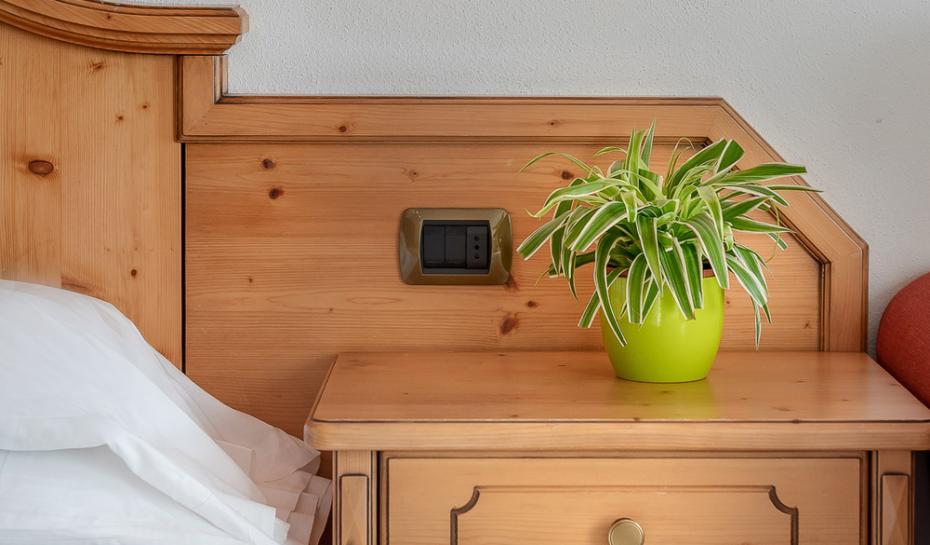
(102, 440)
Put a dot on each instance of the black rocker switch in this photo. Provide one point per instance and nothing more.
(455, 247)
(434, 246)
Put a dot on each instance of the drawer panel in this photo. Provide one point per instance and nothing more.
(713, 501)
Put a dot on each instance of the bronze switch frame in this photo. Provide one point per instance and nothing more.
(411, 229)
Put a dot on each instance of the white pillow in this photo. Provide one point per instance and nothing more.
(103, 439)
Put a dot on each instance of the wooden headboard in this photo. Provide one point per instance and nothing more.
(291, 210)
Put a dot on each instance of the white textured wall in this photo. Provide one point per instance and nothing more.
(841, 86)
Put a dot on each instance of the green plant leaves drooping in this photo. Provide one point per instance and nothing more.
(636, 289)
(649, 245)
(753, 226)
(539, 237)
(712, 245)
(763, 172)
(590, 311)
(673, 263)
(662, 232)
(694, 269)
(601, 259)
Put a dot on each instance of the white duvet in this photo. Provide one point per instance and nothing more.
(102, 440)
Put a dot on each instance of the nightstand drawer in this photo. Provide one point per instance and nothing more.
(719, 501)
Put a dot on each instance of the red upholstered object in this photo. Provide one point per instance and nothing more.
(904, 338)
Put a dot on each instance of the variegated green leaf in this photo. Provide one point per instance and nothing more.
(572, 192)
(761, 173)
(709, 154)
(609, 149)
(647, 144)
(556, 250)
(588, 169)
(673, 263)
(649, 243)
(753, 226)
(753, 262)
(594, 303)
(709, 197)
(569, 270)
(576, 224)
(757, 190)
(539, 237)
(636, 289)
(712, 246)
(601, 259)
(633, 155)
(694, 267)
(629, 201)
(735, 209)
(753, 286)
(652, 295)
(779, 242)
(731, 154)
(794, 187)
(606, 217)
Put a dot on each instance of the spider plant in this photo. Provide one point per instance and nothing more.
(662, 231)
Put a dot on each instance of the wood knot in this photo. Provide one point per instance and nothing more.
(509, 323)
(552, 122)
(133, 272)
(531, 304)
(275, 192)
(41, 168)
(566, 175)
(343, 128)
(267, 164)
(119, 117)
(145, 105)
(97, 66)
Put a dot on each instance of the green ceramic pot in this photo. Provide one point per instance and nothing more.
(667, 348)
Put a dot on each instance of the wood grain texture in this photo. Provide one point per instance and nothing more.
(355, 509)
(316, 281)
(569, 401)
(892, 497)
(512, 387)
(575, 500)
(354, 503)
(292, 259)
(340, 119)
(895, 492)
(127, 28)
(90, 178)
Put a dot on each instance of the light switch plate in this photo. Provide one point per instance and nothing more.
(410, 246)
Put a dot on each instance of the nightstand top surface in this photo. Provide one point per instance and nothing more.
(368, 393)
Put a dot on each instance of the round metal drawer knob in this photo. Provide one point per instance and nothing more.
(626, 532)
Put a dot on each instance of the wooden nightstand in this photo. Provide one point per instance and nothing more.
(550, 448)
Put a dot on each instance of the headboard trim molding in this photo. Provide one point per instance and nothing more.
(131, 29)
(208, 114)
